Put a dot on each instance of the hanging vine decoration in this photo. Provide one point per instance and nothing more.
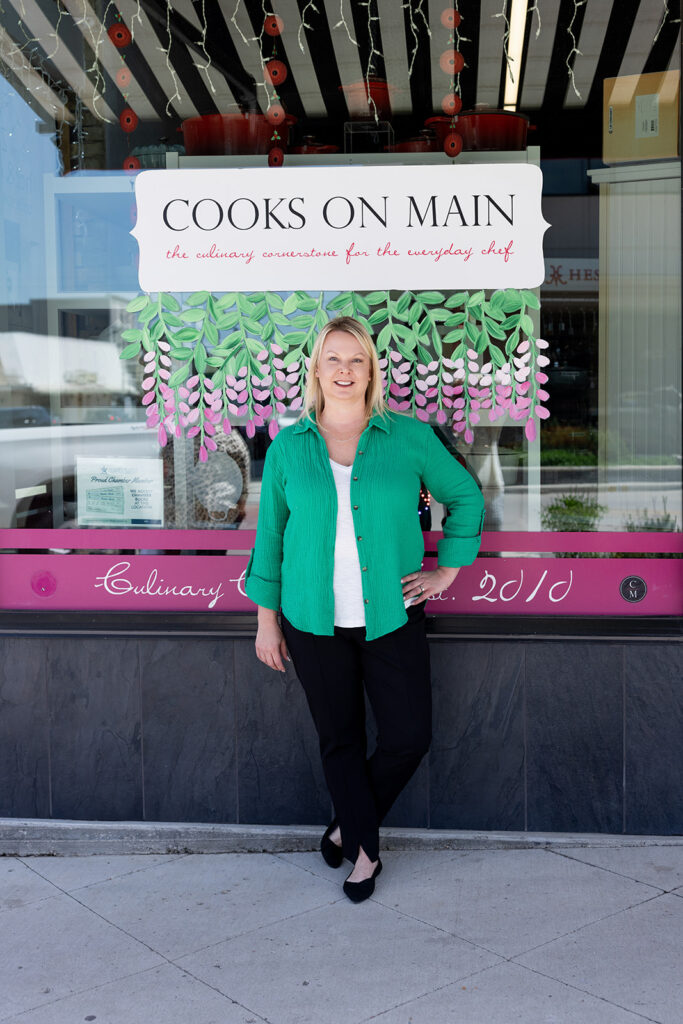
(243, 356)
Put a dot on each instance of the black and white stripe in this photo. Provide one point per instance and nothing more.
(218, 48)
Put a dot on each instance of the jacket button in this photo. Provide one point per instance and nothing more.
(360, 453)
(365, 568)
(355, 508)
(359, 538)
(355, 478)
(366, 601)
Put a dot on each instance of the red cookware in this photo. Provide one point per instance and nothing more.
(360, 97)
(441, 126)
(218, 134)
(424, 143)
(485, 130)
(310, 145)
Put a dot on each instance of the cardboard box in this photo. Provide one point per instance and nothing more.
(640, 117)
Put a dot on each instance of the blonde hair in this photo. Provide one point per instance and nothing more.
(314, 400)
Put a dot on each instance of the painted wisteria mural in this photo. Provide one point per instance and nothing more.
(214, 359)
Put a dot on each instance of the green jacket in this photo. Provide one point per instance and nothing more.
(292, 564)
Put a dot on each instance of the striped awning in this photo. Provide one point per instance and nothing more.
(194, 57)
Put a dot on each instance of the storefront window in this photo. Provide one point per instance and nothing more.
(134, 423)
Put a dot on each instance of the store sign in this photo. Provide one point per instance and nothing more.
(571, 276)
(199, 583)
(160, 581)
(474, 226)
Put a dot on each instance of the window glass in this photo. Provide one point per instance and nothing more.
(563, 400)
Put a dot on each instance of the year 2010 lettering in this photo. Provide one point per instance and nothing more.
(510, 589)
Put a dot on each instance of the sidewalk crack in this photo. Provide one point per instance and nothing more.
(611, 871)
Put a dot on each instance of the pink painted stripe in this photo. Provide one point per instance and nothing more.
(520, 586)
(224, 540)
(636, 542)
(167, 540)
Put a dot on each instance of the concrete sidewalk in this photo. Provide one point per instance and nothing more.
(557, 933)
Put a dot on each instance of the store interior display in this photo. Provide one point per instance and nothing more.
(221, 134)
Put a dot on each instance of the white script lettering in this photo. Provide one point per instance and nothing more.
(115, 582)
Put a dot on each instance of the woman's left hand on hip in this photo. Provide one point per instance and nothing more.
(420, 586)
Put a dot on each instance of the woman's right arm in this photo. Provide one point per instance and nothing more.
(263, 575)
(271, 647)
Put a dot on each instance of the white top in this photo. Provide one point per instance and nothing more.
(349, 608)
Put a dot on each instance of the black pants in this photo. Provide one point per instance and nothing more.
(395, 670)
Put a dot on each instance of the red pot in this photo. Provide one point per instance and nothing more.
(441, 126)
(359, 94)
(309, 145)
(219, 134)
(485, 130)
(425, 143)
(492, 130)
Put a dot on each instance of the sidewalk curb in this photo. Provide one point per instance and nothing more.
(38, 837)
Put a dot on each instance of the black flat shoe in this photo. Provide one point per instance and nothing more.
(359, 891)
(332, 854)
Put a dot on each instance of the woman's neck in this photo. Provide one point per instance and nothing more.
(344, 417)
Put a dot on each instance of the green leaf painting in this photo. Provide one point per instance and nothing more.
(211, 360)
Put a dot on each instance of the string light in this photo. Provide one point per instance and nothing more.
(517, 23)
(28, 39)
(202, 43)
(370, 69)
(167, 53)
(342, 21)
(94, 31)
(420, 10)
(304, 24)
(259, 39)
(99, 84)
(233, 19)
(81, 133)
(247, 40)
(666, 16)
(459, 39)
(15, 60)
(137, 16)
(60, 15)
(506, 36)
(534, 10)
(574, 52)
(408, 6)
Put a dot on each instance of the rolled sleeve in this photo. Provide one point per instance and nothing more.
(264, 570)
(453, 486)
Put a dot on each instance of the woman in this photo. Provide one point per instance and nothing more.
(339, 549)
